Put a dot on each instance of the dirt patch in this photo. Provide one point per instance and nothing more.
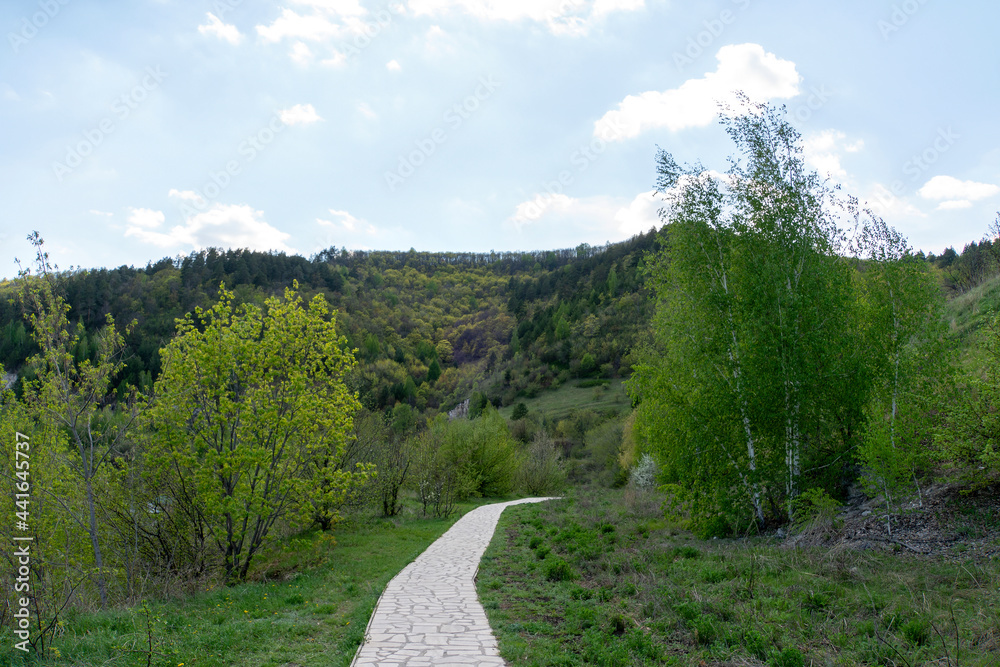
(942, 523)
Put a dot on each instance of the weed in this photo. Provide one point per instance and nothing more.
(917, 631)
(559, 570)
(686, 552)
(789, 657)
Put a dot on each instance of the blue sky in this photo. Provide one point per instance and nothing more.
(150, 128)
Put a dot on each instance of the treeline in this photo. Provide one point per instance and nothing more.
(977, 263)
(430, 327)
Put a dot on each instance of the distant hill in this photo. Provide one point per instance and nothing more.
(430, 328)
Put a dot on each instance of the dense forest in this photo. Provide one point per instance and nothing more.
(430, 328)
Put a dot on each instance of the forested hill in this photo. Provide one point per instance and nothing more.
(430, 328)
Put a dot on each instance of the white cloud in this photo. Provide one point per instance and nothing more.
(185, 195)
(954, 205)
(639, 216)
(344, 221)
(224, 31)
(562, 17)
(822, 151)
(532, 210)
(603, 7)
(221, 225)
(10, 94)
(301, 53)
(300, 114)
(744, 67)
(393, 66)
(313, 28)
(144, 218)
(612, 217)
(950, 188)
(891, 207)
(336, 59)
(336, 7)
(321, 22)
(366, 110)
(105, 214)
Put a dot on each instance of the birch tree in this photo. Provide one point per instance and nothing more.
(901, 316)
(745, 391)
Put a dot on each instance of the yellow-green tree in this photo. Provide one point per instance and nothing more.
(250, 411)
(71, 399)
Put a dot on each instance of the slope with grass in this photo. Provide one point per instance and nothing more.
(969, 315)
(601, 396)
(602, 579)
(308, 605)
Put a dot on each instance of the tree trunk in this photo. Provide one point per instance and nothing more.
(102, 586)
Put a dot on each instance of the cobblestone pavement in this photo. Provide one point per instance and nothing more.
(429, 614)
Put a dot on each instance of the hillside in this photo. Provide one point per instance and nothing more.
(430, 328)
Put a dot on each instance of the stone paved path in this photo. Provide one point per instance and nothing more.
(429, 614)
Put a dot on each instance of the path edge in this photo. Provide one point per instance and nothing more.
(508, 503)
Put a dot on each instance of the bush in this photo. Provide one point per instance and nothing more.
(559, 570)
(790, 657)
(542, 471)
(814, 508)
(643, 476)
(520, 412)
(970, 440)
(471, 458)
(602, 445)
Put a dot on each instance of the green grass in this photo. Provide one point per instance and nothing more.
(312, 609)
(969, 314)
(597, 580)
(558, 403)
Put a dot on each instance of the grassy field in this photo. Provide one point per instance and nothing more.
(309, 606)
(557, 404)
(970, 314)
(599, 579)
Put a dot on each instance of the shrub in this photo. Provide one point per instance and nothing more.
(643, 476)
(814, 507)
(790, 657)
(542, 471)
(474, 458)
(916, 631)
(602, 445)
(559, 570)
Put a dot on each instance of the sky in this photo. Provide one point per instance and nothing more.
(134, 130)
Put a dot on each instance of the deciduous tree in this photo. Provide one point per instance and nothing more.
(250, 410)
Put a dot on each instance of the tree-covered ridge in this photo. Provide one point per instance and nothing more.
(430, 328)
